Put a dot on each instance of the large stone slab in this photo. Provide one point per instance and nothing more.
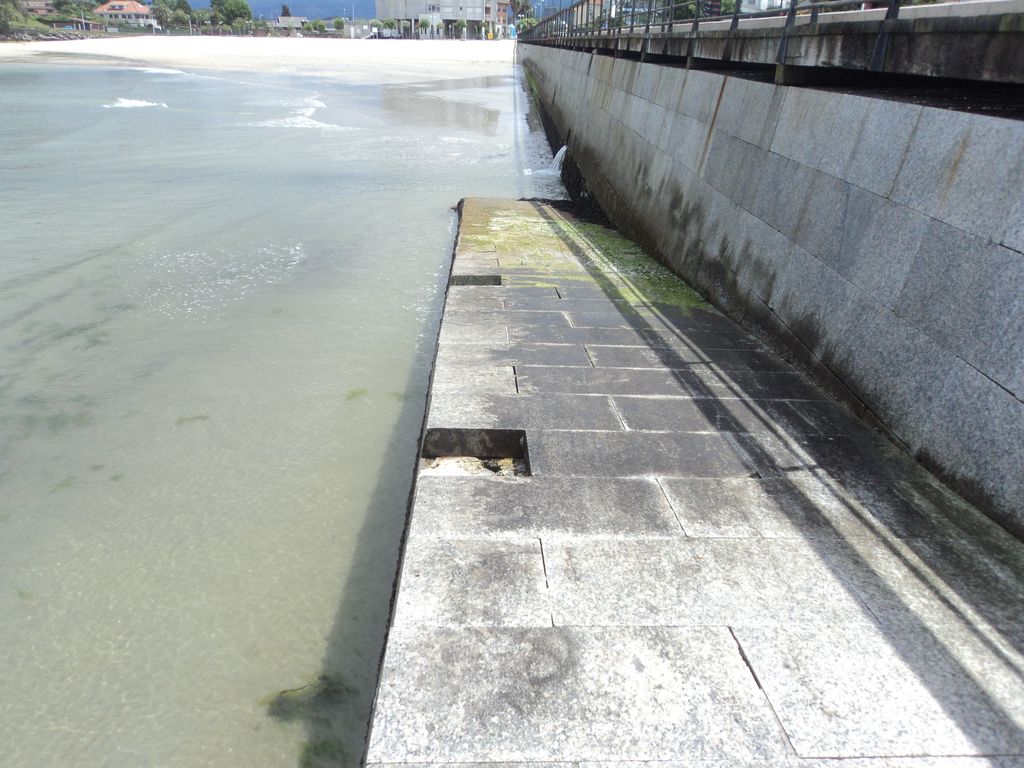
(568, 694)
(471, 409)
(679, 381)
(656, 357)
(800, 505)
(878, 692)
(795, 762)
(513, 354)
(542, 507)
(473, 583)
(709, 582)
(711, 415)
(637, 454)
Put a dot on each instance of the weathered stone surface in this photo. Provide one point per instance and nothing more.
(513, 354)
(895, 366)
(472, 409)
(658, 357)
(868, 762)
(472, 583)
(955, 439)
(798, 506)
(543, 507)
(508, 317)
(883, 692)
(636, 454)
(476, 379)
(682, 569)
(697, 582)
(874, 261)
(711, 415)
(951, 168)
(557, 694)
(929, 586)
(980, 283)
(470, 334)
(878, 245)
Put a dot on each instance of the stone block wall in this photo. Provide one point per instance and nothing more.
(879, 244)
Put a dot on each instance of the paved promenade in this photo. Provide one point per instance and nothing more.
(708, 563)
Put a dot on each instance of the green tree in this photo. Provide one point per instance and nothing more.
(424, 25)
(390, 24)
(9, 15)
(339, 24)
(285, 11)
(231, 11)
(318, 26)
(521, 8)
(161, 11)
(179, 18)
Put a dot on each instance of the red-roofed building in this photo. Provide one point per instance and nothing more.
(125, 12)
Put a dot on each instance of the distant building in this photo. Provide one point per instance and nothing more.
(37, 7)
(481, 16)
(290, 22)
(125, 12)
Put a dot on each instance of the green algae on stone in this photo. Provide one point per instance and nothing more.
(651, 281)
(183, 420)
(320, 754)
(355, 393)
(559, 248)
(116, 478)
(24, 595)
(295, 702)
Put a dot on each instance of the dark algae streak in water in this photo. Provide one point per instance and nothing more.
(323, 700)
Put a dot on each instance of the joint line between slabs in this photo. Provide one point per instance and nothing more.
(547, 584)
(615, 410)
(671, 506)
(768, 701)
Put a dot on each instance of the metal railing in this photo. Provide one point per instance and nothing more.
(597, 18)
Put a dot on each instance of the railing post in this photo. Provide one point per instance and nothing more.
(780, 56)
(892, 13)
(693, 34)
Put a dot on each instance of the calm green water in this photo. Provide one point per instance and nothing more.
(216, 324)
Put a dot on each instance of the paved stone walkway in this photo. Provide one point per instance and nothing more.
(710, 562)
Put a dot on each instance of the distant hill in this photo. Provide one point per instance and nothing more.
(316, 9)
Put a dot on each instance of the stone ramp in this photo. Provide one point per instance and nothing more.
(709, 562)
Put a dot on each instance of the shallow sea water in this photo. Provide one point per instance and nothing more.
(219, 295)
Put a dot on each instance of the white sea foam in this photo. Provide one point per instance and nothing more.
(161, 71)
(302, 111)
(123, 103)
(201, 283)
(301, 121)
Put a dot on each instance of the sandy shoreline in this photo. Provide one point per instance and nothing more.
(369, 60)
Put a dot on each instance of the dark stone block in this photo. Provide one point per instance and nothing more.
(959, 292)
(636, 454)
